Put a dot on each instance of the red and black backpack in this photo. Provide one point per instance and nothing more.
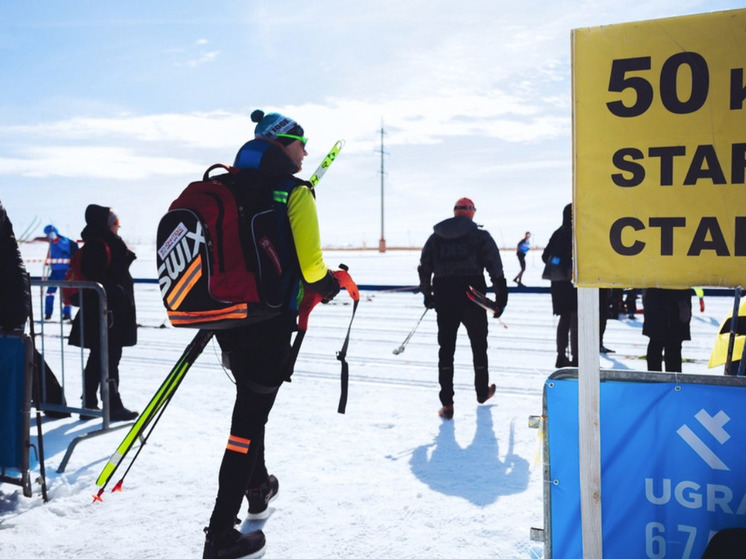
(218, 252)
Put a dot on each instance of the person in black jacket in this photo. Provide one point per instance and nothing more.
(454, 258)
(14, 289)
(564, 293)
(667, 315)
(105, 259)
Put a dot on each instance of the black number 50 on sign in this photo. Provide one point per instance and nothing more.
(675, 101)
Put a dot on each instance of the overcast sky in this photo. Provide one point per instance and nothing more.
(124, 103)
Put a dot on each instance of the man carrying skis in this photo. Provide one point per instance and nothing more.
(258, 353)
(454, 258)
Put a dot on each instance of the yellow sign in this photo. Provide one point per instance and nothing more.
(659, 115)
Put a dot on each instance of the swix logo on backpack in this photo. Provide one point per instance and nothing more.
(219, 265)
(175, 255)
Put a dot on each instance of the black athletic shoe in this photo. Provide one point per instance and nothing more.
(259, 497)
(122, 414)
(562, 361)
(604, 349)
(233, 545)
(446, 412)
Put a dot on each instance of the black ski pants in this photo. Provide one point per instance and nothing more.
(257, 355)
(474, 319)
(660, 350)
(567, 333)
(92, 375)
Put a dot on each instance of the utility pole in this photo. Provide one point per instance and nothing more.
(382, 241)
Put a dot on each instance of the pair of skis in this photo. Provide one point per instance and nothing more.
(148, 419)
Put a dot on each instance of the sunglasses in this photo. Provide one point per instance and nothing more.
(301, 139)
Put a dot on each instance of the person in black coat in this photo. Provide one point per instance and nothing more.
(564, 293)
(454, 258)
(667, 314)
(15, 299)
(105, 259)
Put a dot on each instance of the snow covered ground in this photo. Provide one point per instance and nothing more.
(387, 479)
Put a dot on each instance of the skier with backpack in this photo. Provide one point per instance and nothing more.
(257, 351)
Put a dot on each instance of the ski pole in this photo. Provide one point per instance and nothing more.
(310, 300)
(400, 349)
(151, 411)
(144, 440)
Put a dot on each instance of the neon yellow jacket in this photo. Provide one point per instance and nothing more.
(304, 223)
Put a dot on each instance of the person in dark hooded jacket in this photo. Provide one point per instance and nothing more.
(564, 293)
(105, 259)
(15, 299)
(454, 258)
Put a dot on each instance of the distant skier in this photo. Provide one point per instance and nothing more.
(60, 250)
(522, 249)
(454, 258)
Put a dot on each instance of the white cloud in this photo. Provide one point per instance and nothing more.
(204, 59)
(86, 162)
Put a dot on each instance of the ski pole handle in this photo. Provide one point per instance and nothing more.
(311, 298)
(346, 282)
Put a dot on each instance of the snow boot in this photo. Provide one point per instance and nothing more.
(446, 412)
(122, 414)
(259, 498)
(562, 361)
(490, 393)
(117, 411)
(233, 545)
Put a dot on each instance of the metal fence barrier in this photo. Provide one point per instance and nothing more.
(104, 412)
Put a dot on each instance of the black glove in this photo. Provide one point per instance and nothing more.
(501, 296)
(327, 287)
(429, 301)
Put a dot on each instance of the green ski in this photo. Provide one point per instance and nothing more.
(326, 163)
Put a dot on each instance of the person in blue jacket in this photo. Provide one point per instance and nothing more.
(60, 250)
(524, 245)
